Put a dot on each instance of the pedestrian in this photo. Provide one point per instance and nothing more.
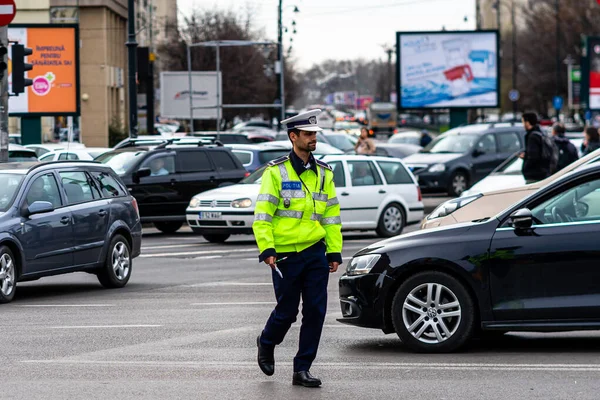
(297, 227)
(425, 138)
(591, 140)
(535, 167)
(567, 152)
(365, 145)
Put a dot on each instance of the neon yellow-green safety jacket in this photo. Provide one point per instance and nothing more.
(294, 212)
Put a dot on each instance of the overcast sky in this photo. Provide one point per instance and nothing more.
(347, 29)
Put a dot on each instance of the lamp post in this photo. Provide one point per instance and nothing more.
(131, 83)
(280, 66)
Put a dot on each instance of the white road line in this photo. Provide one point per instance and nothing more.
(208, 284)
(249, 303)
(191, 253)
(63, 305)
(104, 326)
(173, 246)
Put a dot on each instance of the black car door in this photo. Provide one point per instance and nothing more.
(484, 157)
(91, 213)
(159, 195)
(197, 174)
(47, 238)
(553, 270)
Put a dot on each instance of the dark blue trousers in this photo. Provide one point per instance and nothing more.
(305, 274)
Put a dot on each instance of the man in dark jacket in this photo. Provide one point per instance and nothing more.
(535, 168)
(567, 152)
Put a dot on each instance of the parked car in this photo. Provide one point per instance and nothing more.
(17, 153)
(14, 138)
(65, 217)
(164, 178)
(375, 193)
(253, 157)
(462, 156)
(348, 127)
(479, 206)
(86, 154)
(396, 150)
(41, 149)
(531, 267)
(251, 125)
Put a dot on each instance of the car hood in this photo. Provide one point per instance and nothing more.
(230, 192)
(495, 183)
(431, 158)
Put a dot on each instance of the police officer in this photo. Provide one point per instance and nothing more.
(297, 227)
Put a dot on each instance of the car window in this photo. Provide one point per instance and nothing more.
(339, 179)
(160, 164)
(395, 173)
(508, 142)
(245, 157)
(44, 188)
(452, 143)
(9, 186)
(68, 156)
(194, 161)
(487, 144)
(22, 155)
(77, 187)
(576, 204)
(223, 161)
(47, 157)
(363, 173)
(120, 161)
(108, 185)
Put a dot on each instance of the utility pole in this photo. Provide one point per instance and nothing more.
(150, 82)
(558, 80)
(4, 99)
(132, 61)
(514, 55)
(280, 87)
(389, 52)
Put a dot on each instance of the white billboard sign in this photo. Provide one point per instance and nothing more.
(175, 95)
(448, 69)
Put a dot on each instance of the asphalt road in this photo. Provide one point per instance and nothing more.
(186, 324)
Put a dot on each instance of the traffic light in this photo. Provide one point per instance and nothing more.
(3, 65)
(19, 67)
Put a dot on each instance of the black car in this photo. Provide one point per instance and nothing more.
(533, 267)
(462, 156)
(164, 178)
(61, 217)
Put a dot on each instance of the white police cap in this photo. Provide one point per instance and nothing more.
(307, 121)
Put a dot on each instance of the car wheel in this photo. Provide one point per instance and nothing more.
(458, 183)
(117, 268)
(391, 221)
(214, 238)
(168, 227)
(432, 312)
(8, 275)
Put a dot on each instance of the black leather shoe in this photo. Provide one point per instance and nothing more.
(304, 378)
(266, 359)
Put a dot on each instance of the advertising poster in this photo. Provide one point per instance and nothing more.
(175, 95)
(54, 74)
(594, 60)
(447, 69)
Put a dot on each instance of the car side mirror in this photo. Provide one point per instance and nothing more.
(141, 173)
(521, 219)
(39, 207)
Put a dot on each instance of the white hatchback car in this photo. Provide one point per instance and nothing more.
(87, 154)
(375, 193)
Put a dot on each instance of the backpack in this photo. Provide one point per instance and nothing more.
(564, 157)
(550, 152)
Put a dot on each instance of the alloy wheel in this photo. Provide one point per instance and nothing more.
(459, 184)
(120, 260)
(392, 219)
(7, 274)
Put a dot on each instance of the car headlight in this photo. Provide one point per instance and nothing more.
(437, 168)
(362, 264)
(450, 206)
(241, 203)
(195, 202)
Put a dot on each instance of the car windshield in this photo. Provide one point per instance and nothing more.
(513, 167)
(405, 139)
(452, 144)
(9, 186)
(120, 162)
(255, 177)
(342, 142)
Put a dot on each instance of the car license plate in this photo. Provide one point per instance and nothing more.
(210, 215)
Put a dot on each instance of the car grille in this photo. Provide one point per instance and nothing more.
(217, 203)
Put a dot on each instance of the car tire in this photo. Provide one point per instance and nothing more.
(392, 221)
(118, 264)
(215, 238)
(459, 182)
(8, 275)
(421, 328)
(168, 227)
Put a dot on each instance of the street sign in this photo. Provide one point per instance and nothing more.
(7, 11)
(514, 94)
(557, 101)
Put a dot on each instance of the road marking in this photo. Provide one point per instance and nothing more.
(104, 326)
(250, 303)
(169, 246)
(191, 253)
(208, 284)
(63, 305)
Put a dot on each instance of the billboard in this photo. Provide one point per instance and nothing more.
(447, 69)
(55, 73)
(594, 68)
(175, 95)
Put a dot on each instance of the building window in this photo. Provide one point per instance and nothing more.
(64, 15)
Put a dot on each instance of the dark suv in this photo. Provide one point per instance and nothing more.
(61, 217)
(462, 156)
(164, 178)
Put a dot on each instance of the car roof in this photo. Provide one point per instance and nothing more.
(357, 157)
(484, 128)
(25, 167)
(12, 146)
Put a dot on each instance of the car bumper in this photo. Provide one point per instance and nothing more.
(433, 181)
(233, 222)
(136, 240)
(362, 300)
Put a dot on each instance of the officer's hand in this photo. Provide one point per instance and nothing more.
(270, 261)
(333, 266)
